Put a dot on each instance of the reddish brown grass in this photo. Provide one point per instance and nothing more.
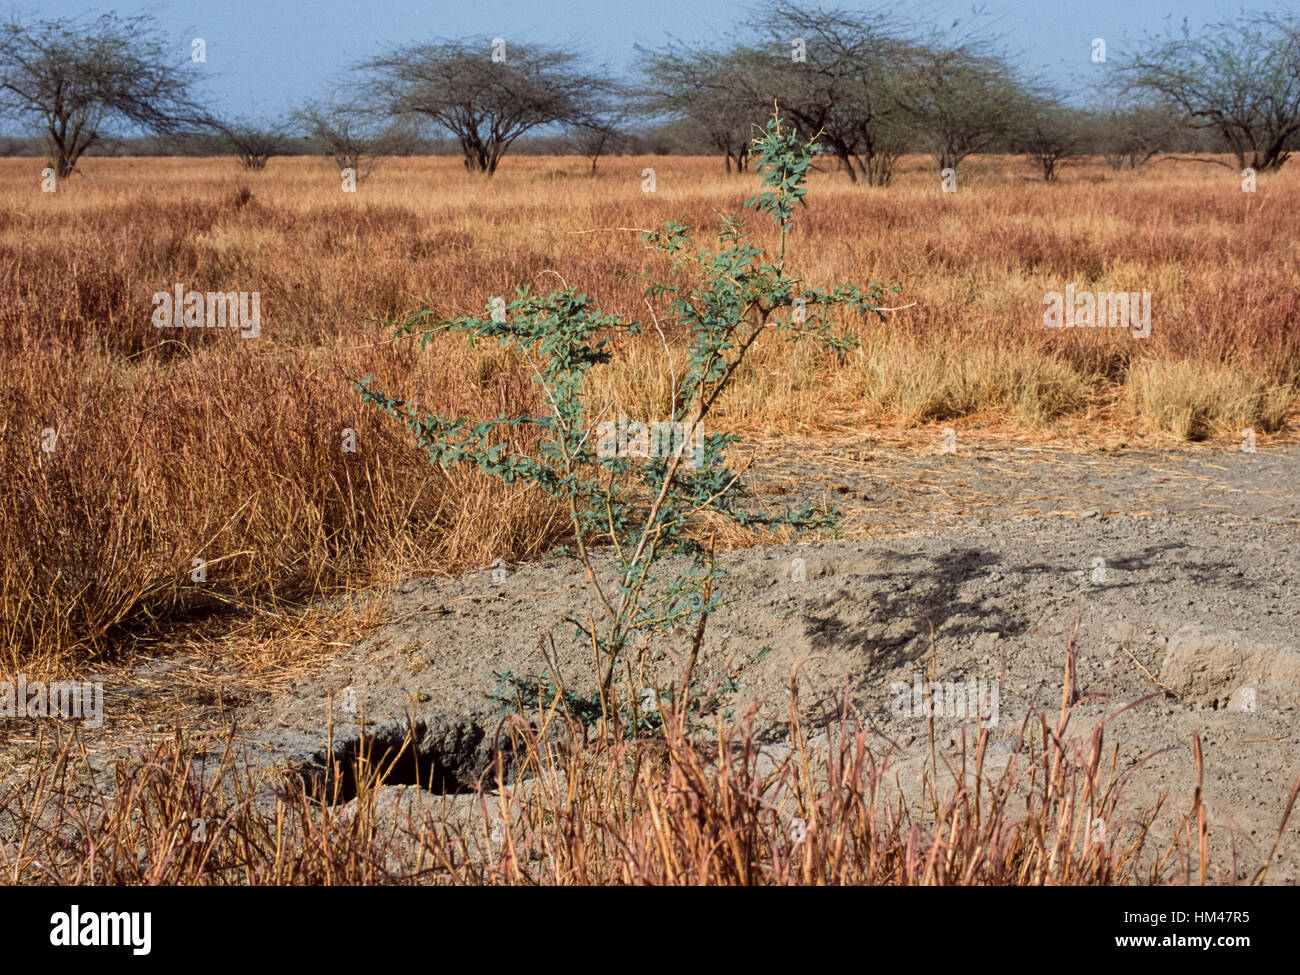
(174, 445)
(598, 808)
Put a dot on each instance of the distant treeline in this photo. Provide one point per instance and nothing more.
(869, 87)
(666, 140)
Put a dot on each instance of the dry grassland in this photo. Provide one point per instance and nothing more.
(177, 444)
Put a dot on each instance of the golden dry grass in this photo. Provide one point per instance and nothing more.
(600, 808)
(181, 444)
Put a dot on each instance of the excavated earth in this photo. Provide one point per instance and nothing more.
(1179, 570)
(1175, 572)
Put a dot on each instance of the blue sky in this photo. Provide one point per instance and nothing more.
(267, 56)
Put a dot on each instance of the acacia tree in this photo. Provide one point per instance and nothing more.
(77, 76)
(706, 87)
(597, 133)
(353, 137)
(1130, 135)
(628, 507)
(1240, 79)
(485, 104)
(845, 88)
(253, 142)
(1051, 134)
(964, 99)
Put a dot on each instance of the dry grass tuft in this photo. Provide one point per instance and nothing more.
(1194, 402)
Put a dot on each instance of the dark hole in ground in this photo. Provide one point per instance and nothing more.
(439, 755)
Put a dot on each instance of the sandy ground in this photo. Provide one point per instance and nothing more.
(1178, 568)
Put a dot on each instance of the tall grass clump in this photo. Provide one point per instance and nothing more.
(1192, 402)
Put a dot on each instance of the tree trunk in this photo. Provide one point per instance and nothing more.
(63, 155)
(880, 167)
(846, 161)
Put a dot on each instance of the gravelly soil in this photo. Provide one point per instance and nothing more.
(1179, 568)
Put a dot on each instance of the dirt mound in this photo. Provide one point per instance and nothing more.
(1185, 615)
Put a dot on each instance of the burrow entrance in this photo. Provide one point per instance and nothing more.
(440, 755)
